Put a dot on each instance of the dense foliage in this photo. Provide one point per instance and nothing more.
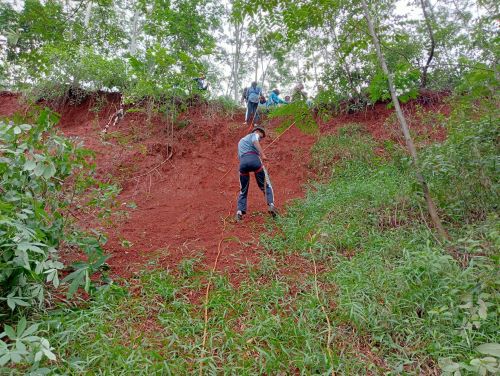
(35, 166)
(394, 282)
(427, 45)
(141, 49)
(155, 49)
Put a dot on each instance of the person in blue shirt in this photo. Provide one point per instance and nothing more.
(251, 154)
(253, 93)
(274, 99)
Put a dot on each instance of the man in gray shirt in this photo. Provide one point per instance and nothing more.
(250, 153)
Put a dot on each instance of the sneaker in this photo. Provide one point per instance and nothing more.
(239, 216)
(273, 211)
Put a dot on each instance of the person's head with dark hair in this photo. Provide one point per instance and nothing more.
(260, 130)
(254, 83)
(276, 91)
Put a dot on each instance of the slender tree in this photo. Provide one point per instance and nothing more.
(427, 18)
(134, 31)
(404, 126)
(236, 63)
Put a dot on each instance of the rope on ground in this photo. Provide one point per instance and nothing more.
(281, 134)
(219, 251)
(316, 288)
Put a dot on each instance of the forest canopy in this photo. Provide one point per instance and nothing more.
(155, 48)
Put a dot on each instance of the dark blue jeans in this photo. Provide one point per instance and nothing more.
(252, 163)
(251, 110)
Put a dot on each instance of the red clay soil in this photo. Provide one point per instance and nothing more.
(186, 204)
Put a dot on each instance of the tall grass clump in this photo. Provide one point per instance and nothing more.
(465, 169)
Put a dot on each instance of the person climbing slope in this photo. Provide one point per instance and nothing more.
(254, 93)
(274, 99)
(250, 153)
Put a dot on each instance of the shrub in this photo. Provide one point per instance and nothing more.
(298, 113)
(463, 170)
(34, 164)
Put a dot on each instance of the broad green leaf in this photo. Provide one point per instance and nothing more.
(77, 280)
(21, 348)
(483, 310)
(32, 329)
(15, 357)
(29, 165)
(49, 354)
(49, 171)
(25, 127)
(489, 349)
(4, 359)
(21, 326)
(39, 170)
(10, 332)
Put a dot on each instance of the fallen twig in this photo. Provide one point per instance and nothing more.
(157, 166)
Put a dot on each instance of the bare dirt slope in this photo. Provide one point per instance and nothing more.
(178, 207)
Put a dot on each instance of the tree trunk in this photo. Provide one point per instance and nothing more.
(88, 13)
(133, 39)
(238, 30)
(423, 82)
(342, 62)
(314, 59)
(431, 207)
(257, 63)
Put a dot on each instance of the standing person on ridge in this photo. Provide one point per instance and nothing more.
(201, 82)
(254, 93)
(250, 153)
(299, 94)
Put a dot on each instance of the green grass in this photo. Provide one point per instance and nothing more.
(396, 283)
(152, 327)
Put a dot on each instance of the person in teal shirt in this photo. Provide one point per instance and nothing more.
(274, 99)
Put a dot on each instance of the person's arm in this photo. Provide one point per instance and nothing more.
(259, 148)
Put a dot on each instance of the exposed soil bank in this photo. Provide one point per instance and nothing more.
(178, 207)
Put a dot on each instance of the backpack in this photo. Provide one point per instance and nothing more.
(254, 94)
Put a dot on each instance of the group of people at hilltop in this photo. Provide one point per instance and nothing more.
(250, 153)
(253, 97)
